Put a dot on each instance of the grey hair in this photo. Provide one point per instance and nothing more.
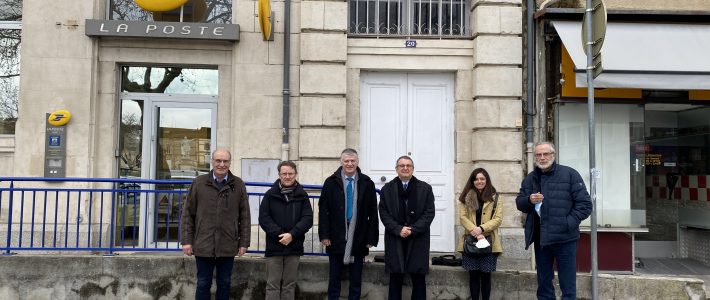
(348, 152)
(221, 149)
(552, 146)
(407, 157)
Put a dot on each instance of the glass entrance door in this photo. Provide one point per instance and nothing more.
(182, 147)
(167, 138)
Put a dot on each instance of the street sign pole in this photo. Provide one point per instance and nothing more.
(593, 31)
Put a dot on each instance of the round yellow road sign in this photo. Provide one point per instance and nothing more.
(160, 5)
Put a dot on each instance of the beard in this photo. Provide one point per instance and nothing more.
(546, 165)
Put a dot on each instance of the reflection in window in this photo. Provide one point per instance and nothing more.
(170, 80)
(197, 11)
(131, 138)
(10, 22)
(11, 10)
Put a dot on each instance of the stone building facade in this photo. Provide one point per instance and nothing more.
(453, 102)
(479, 73)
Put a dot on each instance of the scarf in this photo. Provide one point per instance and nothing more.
(473, 200)
(404, 199)
(287, 190)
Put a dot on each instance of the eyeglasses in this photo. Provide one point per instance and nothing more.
(405, 166)
(221, 162)
(545, 154)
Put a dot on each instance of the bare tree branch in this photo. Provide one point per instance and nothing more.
(128, 85)
(11, 10)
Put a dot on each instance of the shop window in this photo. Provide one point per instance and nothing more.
(620, 158)
(10, 28)
(437, 18)
(677, 169)
(196, 11)
(169, 80)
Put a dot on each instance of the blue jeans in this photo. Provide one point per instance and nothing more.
(354, 275)
(205, 268)
(566, 256)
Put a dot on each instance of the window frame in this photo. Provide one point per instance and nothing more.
(12, 25)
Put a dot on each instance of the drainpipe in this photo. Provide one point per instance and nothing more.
(529, 136)
(285, 146)
(530, 112)
(530, 115)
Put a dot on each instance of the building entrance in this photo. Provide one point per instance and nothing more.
(411, 114)
(163, 137)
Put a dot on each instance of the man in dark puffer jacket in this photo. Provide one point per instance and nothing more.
(285, 214)
(556, 201)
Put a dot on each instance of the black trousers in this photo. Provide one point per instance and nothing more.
(479, 283)
(418, 286)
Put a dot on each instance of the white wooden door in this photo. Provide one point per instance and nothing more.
(411, 114)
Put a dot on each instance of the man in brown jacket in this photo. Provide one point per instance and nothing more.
(215, 225)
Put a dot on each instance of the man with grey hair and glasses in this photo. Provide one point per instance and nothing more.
(556, 201)
(348, 223)
(215, 225)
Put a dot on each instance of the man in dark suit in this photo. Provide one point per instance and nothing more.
(348, 224)
(407, 210)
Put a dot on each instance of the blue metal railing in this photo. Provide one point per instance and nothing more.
(109, 215)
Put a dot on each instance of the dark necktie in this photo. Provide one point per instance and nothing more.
(220, 183)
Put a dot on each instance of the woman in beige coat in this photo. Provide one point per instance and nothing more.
(475, 207)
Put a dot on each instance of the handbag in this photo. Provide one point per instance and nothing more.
(469, 241)
(470, 249)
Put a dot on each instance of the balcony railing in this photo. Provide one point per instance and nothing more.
(109, 215)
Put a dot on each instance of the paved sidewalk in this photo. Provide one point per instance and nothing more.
(681, 267)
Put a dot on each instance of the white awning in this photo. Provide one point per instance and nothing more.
(644, 55)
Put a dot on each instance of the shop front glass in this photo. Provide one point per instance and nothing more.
(653, 160)
(621, 182)
(677, 167)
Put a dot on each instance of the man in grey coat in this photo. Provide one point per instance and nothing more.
(407, 210)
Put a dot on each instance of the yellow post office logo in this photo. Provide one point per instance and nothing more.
(59, 118)
(265, 18)
(160, 5)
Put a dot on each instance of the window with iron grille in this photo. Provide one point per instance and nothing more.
(435, 18)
